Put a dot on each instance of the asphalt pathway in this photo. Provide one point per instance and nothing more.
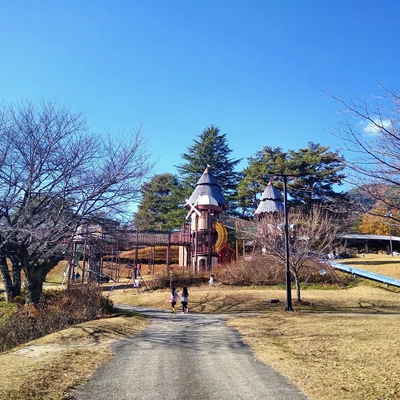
(191, 356)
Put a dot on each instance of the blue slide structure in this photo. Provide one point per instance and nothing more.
(365, 274)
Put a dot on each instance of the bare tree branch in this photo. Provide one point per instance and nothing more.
(371, 132)
(312, 233)
(56, 175)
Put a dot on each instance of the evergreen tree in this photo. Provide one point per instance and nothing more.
(161, 206)
(311, 172)
(261, 168)
(211, 148)
(316, 170)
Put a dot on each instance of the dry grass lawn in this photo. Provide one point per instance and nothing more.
(49, 367)
(338, 344)
(378, 263)
(330, 356)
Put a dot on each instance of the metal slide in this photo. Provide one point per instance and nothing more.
(365, 274)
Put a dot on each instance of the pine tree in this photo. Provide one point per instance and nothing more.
(161, 206)
(255, 177)
(211, 148)
(317, 169)
(311, 172)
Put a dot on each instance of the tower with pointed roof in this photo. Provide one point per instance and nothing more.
(205, 205)
(271, 202)
(270, 211)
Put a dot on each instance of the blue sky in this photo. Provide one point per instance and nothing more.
(255, 68)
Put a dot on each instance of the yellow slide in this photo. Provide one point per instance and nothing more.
(222, 236)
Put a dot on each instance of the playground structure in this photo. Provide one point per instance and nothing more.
(94, 264)
(202, 240)
(208, 236)
(97, 259)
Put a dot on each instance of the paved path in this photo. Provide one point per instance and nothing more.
(193, 356)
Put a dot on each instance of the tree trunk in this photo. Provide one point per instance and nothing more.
(35, 274)
(33, 285)
(16, 272)
(297, 282)
(5, 274)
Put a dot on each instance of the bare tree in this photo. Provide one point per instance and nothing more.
(54, 176)
(370, 131)
(312, 233)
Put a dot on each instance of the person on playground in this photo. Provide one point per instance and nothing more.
(211, 281)
(185, 300)
(174, 298)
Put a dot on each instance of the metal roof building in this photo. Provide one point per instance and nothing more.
(372, 242)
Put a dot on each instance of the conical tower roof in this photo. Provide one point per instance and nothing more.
(270, 202)
(207, 188)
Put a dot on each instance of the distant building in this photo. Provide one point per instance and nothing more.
(371, 243)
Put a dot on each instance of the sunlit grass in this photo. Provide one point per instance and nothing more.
(339, 343)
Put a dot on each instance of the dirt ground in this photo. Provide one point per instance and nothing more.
(337, 344)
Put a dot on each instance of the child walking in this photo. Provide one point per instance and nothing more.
(185, 300)
(211, 281)
(174, 299)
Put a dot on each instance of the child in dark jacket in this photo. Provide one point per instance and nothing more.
(185, 300)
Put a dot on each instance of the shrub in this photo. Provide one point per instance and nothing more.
(263, 270)
(258, 271)
(58, 310)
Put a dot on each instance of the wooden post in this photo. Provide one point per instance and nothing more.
(236, 241)
(83, 259)
(195, 246)
(169, 251)
(209, 252)
(136, 249)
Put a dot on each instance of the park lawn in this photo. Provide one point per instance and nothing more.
(49, 367)
(379, 263)
(329, 356)
(338, 344)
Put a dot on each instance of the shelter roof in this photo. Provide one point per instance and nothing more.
(355, 236)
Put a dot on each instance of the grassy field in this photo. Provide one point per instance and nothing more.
(49, 367)
(380, 264)
(337, 344)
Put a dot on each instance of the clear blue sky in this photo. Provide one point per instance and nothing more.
(255, 68)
